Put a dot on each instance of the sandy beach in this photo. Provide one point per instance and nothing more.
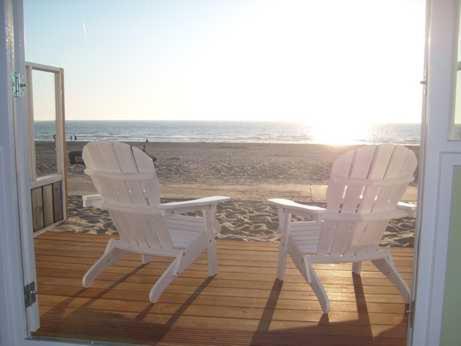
(247, 172)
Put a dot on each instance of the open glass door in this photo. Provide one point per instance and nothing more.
(437, 304)
(47, 145)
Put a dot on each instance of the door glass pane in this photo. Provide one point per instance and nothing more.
(44, 106)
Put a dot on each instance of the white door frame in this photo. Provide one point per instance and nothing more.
(440, 153)
(13, 315)
(441, 157)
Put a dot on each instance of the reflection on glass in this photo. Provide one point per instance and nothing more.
(456, 126)
(457, 110)
(44, 106)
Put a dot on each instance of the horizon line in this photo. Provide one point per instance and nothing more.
(224, 120)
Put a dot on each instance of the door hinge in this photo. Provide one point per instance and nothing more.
(18, 85)
(411, 312)
(30, 294)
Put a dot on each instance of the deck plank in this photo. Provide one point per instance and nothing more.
(242, 305)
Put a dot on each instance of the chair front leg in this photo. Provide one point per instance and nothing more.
(282, 261)
(357, 267)
(146, 259)
(284, 219)
(211, 228)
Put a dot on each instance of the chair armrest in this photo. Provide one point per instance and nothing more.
(195, 204)
(322, 213)
(97, 201)
(297, 207)
(409, 208)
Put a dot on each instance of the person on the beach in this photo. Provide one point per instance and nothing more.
(144, 146)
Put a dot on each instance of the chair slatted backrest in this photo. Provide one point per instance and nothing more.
(367, 181)
(126, 179)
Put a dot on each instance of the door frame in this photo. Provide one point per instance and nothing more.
(15, 212)
(14, 195)
(441, 158)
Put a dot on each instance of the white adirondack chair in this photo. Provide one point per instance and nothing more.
(125, 178)
(364, 189)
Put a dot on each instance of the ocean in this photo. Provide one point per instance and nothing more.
(224, 132)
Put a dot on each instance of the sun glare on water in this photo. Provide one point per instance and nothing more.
(339, 133)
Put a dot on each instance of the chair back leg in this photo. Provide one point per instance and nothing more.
(387, 267)
(110, 256)
(165, 280)
(312, 278)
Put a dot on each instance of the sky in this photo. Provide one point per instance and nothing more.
(280, 60)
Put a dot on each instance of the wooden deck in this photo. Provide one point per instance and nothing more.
(243, 305)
